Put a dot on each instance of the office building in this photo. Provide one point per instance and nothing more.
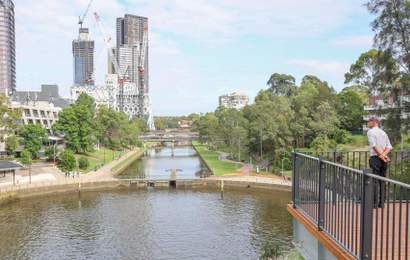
(7, 48)
(83, 54)
(233, 100)
(131, 53)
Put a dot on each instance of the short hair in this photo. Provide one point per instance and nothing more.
(374, 119)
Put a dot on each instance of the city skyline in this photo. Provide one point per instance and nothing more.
(202, 50)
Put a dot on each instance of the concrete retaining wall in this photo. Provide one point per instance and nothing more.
(23, 191)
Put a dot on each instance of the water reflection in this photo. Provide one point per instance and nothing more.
(174, 224)
(158, 163)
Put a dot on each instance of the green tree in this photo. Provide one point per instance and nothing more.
(9, 118)
(50, 152)
(351, 110)
(33, 136)
(373, 70)
(83, 163)
(77, 124)
(67, 162)
(26, 159)
(11, 144)
(391, 25)
(281, 84)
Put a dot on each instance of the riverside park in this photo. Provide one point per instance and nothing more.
(272, 130)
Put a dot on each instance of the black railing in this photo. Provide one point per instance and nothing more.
(367, 215)
(398, 168)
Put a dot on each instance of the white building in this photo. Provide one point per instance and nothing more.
(234, 100)
(37, 112)
(112, 95)
(379, 105)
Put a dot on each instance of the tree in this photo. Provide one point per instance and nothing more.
(392, 28)
(373, 70)
(51, 152)
(67, 162)
(11, 144)
(114, 130)
(26, 159)
(9, 118)
(77, 124)
(33, 136)
(83, 163)
(281, 84)
(351, 110)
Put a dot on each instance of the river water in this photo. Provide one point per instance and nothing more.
(159, 162)
(149, 223)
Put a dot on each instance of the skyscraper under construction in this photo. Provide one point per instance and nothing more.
(131, 54)
(83, 54)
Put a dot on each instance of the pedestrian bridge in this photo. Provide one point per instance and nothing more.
(346, 213)
(169, 136)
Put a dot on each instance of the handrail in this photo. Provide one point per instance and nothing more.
(365, 214)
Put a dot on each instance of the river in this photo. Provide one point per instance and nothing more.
(148, 223)
(158, 163)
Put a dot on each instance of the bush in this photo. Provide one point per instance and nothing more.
(67, 161)
(83, 163)
(49, 152)
(341, 136)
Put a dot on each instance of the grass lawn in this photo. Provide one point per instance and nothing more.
(96, 158)
(218, 167)
(131, 158)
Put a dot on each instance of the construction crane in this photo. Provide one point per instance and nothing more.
(81, 19)
(143, 91)
(122, 78)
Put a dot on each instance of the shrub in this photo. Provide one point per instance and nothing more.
(83, 163)
(49, 152)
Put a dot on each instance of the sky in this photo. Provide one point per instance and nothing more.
(199, 49)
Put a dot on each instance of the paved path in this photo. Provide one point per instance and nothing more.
(258, 179)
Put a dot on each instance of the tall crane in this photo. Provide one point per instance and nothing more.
(122, 78)
(145, 103)
(82, 18)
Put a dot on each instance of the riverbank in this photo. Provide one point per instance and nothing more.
(214, 164)
(78, 185)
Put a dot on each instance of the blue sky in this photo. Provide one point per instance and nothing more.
(199, 49)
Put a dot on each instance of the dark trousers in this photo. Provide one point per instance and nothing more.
(379, 168)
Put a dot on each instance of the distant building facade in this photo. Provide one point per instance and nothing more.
(83, 57)
(234, 100)
(132, 55)
(7, 48)
(38, 112)
(48, 93)
(379, 105)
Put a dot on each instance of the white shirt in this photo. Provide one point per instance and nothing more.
(377, 137)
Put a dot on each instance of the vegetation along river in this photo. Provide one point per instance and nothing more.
(148, 223)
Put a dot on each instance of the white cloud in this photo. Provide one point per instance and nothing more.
(357, 41)
(46, 28)
(327, 70)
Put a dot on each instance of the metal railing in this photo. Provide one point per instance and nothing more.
(398, 168)
(365, 214)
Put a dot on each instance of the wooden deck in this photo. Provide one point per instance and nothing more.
(391, 239)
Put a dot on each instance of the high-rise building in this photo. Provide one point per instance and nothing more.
(132, 31)
(7, 48)
(83, 53)
(234, 100)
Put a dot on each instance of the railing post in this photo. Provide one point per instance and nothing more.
(295, 180)
(321, 213)
(366, 218)
(334, 179)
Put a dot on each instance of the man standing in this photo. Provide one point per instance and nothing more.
(380, 147)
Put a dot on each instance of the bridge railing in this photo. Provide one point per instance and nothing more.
(398, 169)
(365, 214)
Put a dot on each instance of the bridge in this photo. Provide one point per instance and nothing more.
(169, 136)
(341, 212)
